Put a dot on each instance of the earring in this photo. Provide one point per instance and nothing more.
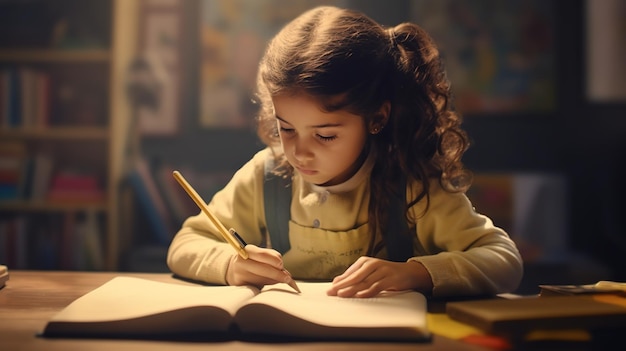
(375, 130)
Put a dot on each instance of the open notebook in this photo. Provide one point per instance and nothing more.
(134, 307)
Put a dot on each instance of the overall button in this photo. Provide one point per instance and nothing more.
(323, 196)
(316, 223)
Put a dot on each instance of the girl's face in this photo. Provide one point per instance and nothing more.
(326, 148)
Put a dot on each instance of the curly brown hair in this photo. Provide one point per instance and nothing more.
(329, 52)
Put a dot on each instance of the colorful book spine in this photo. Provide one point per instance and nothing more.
(151, 202)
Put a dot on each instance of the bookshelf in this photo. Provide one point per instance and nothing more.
(64, 124)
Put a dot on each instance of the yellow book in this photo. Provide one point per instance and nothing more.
(135, 307)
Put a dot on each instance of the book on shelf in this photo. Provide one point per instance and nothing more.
(4, 99)
(27, 97)
(41, 173)
(14, 242)
(69, 186)
(11, 97)
(85, 242)
(151, 201)
(68, 241)
(179, 204)
(136, 307)
(516, 317)
(46, 242)
(24, 98)
(13, 167)
(22, 175)
(42, 96)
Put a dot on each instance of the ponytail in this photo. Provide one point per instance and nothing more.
(423, 100)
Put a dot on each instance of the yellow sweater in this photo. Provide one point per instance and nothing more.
(462, 250)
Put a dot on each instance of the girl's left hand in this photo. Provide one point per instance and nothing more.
(369, 276)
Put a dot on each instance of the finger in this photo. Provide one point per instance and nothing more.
(257, 280)
(351, 270)
(270, 274)
(347, 287)
(387, 276)
(268, 256)
(372, 285)
(356, 273)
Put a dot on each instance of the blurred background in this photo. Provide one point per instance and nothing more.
(100, 100)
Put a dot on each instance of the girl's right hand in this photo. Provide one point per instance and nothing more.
(263, 267)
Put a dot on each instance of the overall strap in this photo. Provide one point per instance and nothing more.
(399, 241)
(277, 201)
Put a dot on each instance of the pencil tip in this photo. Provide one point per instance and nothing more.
(295, 287)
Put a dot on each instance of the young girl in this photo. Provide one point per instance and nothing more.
(354, 115)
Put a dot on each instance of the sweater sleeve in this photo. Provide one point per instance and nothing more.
(198, 251)
(464, 252)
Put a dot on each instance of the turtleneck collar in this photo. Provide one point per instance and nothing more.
(351, 183)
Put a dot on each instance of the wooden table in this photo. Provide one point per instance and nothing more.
(31, 298)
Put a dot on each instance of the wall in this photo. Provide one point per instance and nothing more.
(580, 139)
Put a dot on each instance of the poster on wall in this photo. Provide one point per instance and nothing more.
(605, 56)
(161, 35)
(233, 35)
(499, 55)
